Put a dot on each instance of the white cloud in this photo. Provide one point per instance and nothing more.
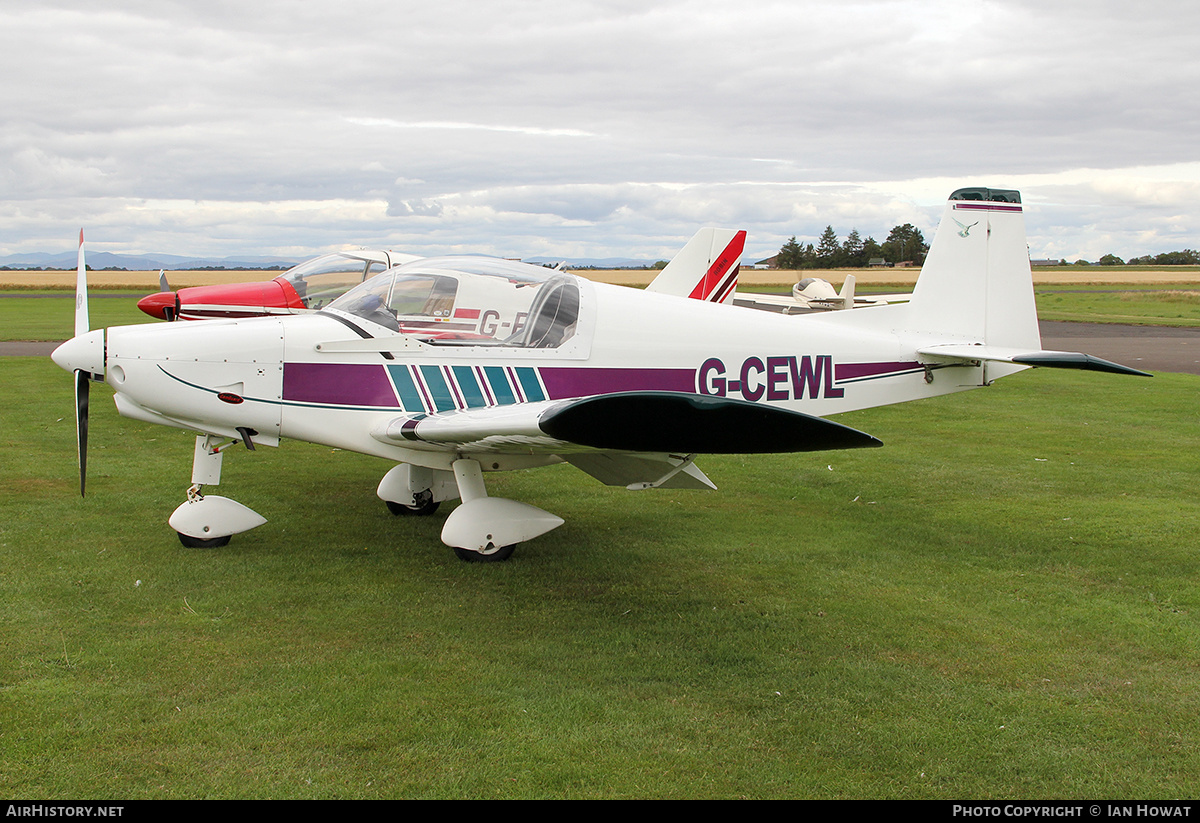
(455, 126)
(616, 127)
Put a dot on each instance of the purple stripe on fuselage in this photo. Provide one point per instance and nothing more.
(985, 207)
(583, 382)
(341, 384)
(853, 371)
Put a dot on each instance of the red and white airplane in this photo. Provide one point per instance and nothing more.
(706, 269)
(628, 386)
(306, 287)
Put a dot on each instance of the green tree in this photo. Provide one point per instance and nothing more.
(1111, 260)
(1187, 257)
(852, 250)
(905, 244)
(791, 255)
(829, 251)
(870, 249)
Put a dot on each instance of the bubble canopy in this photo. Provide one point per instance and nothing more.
(481, 301)
(323, 279)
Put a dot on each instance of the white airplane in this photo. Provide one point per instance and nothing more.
(816, 294)
(629, 386)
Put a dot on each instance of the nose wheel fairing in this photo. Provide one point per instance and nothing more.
(212, 518)
(204, 521)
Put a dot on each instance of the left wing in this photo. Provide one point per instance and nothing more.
(640, 421)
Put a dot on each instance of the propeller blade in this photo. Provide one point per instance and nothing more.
(81, 300)
(162, 281)
(82, 327)
(81, 425)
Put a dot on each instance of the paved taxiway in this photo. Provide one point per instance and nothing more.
(1150, 348)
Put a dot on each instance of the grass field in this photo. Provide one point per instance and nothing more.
(49, 315)
(1108, 304)
(24, 316)
(1002, 602)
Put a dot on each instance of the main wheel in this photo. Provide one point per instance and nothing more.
(425, 505)
(203, 542)
(493, 556)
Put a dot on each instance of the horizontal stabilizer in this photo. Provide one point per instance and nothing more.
(1075, 360)
(1043, 359)
(694, 424)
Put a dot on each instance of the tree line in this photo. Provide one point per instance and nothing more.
(904, 244)
(1187, 257)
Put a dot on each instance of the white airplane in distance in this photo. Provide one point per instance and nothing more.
(628, 386)
(816, 294)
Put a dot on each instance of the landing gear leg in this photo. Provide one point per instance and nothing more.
(208, 521)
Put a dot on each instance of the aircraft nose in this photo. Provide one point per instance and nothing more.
(82, 353)
(164, 305)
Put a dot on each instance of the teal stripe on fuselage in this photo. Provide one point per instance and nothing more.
(498, 382)
(435, 381)
(469, 386)
(530, 384)
(439, 392)
(410, 395)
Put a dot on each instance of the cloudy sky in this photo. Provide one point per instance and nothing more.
(607, 128)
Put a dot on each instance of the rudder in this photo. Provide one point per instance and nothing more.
(706, 268)
(976, 283)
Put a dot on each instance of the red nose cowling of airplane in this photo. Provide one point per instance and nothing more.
(158, 305)
(234, 300)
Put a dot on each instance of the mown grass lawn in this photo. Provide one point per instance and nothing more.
(49, 315)
(1114, 304)
(1001, 602)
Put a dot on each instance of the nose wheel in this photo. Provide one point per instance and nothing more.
(209, 521)
(203, 543)
(494, 556)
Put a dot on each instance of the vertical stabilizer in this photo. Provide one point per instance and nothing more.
(976, 283)
(706, 268)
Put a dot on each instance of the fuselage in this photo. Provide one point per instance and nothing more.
(331, 377)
